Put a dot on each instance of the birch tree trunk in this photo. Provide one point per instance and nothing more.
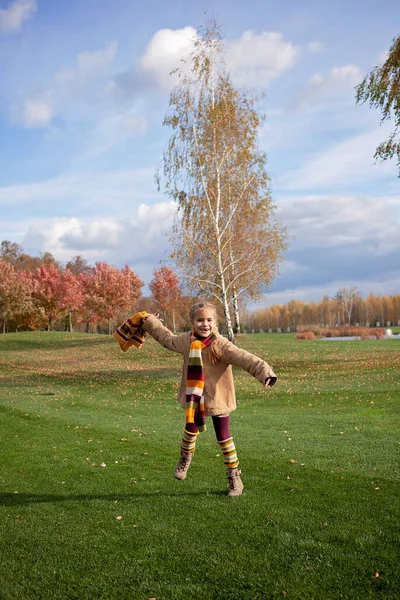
(236, 314)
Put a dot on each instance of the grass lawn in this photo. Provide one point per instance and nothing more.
(89, 508)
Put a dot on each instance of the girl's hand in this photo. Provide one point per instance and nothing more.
(269, 382)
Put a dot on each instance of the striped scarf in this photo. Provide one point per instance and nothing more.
(131, 332)
(195, 415)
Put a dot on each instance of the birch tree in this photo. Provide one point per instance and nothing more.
(381, 89)
(224, 238)
(345, 298)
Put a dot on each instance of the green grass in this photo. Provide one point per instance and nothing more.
(319, 454)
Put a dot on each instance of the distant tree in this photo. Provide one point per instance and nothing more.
(10, 252)
(381, 89)
(78, 265)
(166, 291)
(13, 253)
(108, 291)
(27, 263)
(72, 293)
(48, 259)
(47, 293)
(345, 298)
(14, 294)
(148, 304)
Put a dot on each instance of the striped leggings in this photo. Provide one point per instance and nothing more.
(224, 439)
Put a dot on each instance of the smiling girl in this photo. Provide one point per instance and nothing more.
(207, 388)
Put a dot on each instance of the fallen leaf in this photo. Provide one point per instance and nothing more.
(292, 460)
(119, 518)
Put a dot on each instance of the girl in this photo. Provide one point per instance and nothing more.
(207, 387)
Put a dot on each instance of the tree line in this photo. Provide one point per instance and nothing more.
(40, 293)
(347, 308)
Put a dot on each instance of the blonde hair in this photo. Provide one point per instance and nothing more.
(215, 353)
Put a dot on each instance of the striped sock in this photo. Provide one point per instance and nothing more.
(229, 451)
(188, 442)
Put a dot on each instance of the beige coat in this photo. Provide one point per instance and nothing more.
(219, 390)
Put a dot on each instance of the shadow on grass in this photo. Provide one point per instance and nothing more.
(26, 499)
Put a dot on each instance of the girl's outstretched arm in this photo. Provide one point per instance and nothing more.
(165, 337)
(254, 365)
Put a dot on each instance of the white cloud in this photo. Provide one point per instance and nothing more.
(88, 64)
(112, 131)
(368, 223)
(120, 190)
(256, 59)
(164, 53)
(139, 238)
(340, 241)
(36, 111)
(344, 163)
(347, 75)
(70, 91)
(338, 81)
(11, 18)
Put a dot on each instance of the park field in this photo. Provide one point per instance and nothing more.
(90, 438)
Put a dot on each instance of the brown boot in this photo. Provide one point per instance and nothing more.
(234, 482)
(183, 465)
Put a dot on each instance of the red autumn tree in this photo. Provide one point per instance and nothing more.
(109, 291)
(73, 294)
(166, 291)
(14, 294)
(47, 293)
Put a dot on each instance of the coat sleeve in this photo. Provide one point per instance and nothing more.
(165, 337)
(250, 363)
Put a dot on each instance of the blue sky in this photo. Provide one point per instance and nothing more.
(84, 89)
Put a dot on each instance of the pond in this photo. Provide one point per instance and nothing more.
(356, 337)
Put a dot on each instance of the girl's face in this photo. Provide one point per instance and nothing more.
(204, 321)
